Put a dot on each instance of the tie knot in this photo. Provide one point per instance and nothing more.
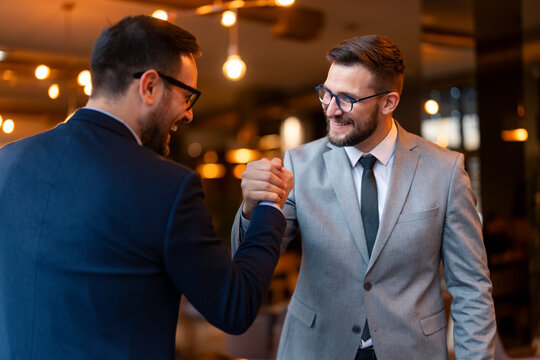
(367, 161)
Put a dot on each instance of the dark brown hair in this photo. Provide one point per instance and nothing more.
(137, 43)
(378, 54)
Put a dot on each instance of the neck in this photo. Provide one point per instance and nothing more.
(382, 130)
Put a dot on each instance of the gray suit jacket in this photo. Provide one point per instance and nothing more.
(429, 216)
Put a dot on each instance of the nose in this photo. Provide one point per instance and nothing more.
(333, 109)
(188, 116)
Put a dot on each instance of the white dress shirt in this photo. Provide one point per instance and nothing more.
(384, 152)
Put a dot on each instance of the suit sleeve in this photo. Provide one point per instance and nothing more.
(227, 292)
(466, 271)
(289, 211)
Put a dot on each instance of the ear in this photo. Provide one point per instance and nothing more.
(390, 103)
(148, 87)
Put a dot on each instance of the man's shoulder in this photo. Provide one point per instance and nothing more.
(159, 168)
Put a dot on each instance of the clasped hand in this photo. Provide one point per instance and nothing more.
(265, 180)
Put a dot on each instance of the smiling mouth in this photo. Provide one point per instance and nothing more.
(340, 124)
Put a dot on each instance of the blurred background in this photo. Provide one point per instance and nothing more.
(472, 84)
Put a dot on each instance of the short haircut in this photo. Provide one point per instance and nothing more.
(378, 54)
(134, 44)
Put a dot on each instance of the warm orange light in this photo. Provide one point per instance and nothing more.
(9, 75)
(54, 91)
(241, 156)
(236, 4)
(1, 120)
(42, 72)
(204, 9)
(431, 107)
(84, 78)
(515, 135)
(228, 18)
(238, 170)
(88, 89)
(284, 2)
(211, 171)
(161, 14)
(234, 68)
(8, 126)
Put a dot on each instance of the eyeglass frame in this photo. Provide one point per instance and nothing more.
(352, 100)
(178, 83)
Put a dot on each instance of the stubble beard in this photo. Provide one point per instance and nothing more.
(155, 132)
(361, 130)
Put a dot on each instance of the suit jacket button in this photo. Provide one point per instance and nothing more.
(367, 286)
(356, 329)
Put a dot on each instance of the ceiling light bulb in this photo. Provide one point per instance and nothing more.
(42, 72)
(88, 89)
(8, 126)
(228, 18)
(431, 107)
(54, 91)
(3, 55)
(84, 78)
(284, 2)
(161, 14)
(234, 68)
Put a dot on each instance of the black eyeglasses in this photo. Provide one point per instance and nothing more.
(191, 99)
(345, 103)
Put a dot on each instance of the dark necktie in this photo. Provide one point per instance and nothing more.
(370, 211)
(370, 204)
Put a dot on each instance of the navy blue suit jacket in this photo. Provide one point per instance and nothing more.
(99, 237)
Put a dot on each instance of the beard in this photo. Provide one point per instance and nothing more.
(362, 129)
(155, 132)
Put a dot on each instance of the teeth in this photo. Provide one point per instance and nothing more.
(174, 127)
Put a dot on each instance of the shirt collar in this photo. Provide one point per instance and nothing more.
(383, 151)
(119, 120)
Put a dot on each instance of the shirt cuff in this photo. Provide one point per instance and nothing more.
(269, 203)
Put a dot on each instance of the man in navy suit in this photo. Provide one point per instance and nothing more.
(100, 235)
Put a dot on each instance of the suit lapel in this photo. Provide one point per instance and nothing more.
(402, 175)
(340, 175)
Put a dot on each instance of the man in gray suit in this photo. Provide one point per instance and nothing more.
(379, 209)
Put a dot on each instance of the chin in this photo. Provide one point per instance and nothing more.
(338, 140)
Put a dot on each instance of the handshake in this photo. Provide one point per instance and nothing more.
(265, 180)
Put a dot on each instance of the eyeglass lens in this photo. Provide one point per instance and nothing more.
(342, 101)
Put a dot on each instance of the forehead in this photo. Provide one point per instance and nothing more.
(188, 70)
(348, 78)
